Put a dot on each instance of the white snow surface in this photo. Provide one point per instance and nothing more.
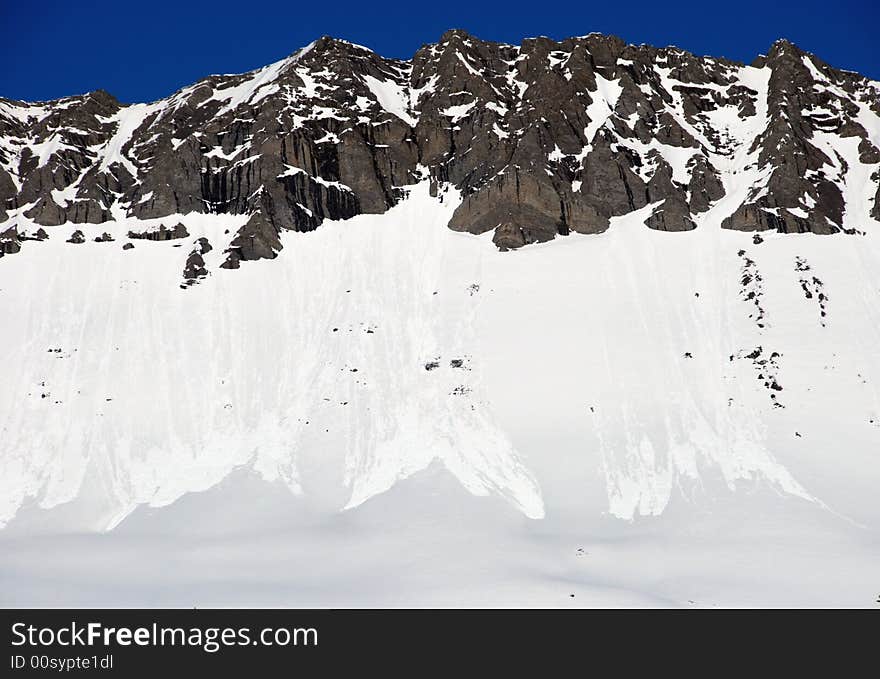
(595, 407)
(257, 85)
(128, 120)
(602, 104)
(392, 97)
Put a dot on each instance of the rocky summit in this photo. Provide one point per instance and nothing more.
(541, 140)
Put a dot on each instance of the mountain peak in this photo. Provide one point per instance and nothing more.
(783, 47)
(454, 34)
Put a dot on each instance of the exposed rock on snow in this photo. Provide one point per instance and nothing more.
(160, 234)
(541, 139)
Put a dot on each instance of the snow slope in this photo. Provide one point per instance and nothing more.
(407, 385)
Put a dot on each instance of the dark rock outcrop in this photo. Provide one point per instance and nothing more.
(194, 270)
(38, 235)
(10, 242)
(161, 234)
(875, 211)
(672, 215)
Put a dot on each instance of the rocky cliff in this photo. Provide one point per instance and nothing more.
(541, 139)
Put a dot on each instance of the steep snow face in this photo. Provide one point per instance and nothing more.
(127, 121)
(256, 85)
(392, 97)
(601, 107)
(628, 370)
(332, 350)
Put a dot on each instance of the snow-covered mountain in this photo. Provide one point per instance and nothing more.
(541, 139)
(472, 285)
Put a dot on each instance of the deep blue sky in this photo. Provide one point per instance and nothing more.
(144, 51)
